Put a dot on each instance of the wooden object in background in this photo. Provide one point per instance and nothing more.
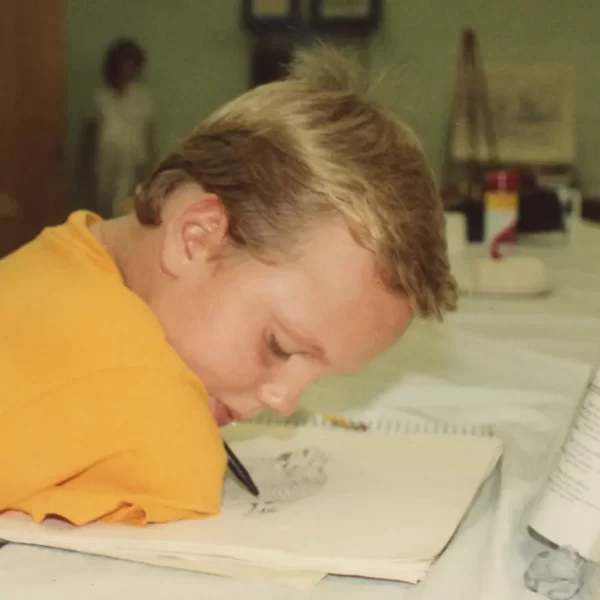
(32, 119)
(470, 109)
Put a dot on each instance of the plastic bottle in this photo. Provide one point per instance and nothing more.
(501, 210)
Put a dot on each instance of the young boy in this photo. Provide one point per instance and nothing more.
(292, 236)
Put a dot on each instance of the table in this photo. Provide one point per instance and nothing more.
(515, 364)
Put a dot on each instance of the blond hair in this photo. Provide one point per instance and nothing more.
(316, 145)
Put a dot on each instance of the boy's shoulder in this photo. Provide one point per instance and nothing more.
(71, 312)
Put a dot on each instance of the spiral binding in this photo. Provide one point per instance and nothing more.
(388, 424)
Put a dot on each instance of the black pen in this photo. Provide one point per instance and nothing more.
(238, 469)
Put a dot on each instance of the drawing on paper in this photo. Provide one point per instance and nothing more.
(283, 480)
(533, 110)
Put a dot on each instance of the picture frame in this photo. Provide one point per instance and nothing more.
(271, 16)
(347, 17)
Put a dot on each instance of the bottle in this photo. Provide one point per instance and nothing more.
(501, 210)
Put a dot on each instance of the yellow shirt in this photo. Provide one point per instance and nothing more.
(100, 420)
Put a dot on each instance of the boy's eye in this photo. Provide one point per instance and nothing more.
(277, 350)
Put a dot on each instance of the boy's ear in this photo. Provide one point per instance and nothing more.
(196, 230)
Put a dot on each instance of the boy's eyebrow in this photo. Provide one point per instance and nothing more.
(305, 339)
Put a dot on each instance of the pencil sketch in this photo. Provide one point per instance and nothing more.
(533, 110)
(283, 480)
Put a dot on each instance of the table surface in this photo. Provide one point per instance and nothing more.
(517, 364)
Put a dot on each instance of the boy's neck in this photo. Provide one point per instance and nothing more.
(131, 247)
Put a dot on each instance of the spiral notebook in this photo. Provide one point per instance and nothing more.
(332, 501)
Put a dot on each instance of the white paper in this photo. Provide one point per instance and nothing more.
(215, 565)
(338, 502)
(569, 510)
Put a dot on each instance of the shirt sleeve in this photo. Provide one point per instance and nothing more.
(128, 445)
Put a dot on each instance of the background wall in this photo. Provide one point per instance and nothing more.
(198, 59)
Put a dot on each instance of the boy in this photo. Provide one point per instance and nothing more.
(293, 235)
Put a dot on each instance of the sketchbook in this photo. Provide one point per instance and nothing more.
(568, 510)
(332, 501)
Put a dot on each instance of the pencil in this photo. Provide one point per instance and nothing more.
(240, 472)
(345, 423)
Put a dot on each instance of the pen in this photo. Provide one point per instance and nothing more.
(238, 469)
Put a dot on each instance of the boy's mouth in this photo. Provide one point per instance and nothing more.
(221, 413)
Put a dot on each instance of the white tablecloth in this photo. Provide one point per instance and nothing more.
(518, 365)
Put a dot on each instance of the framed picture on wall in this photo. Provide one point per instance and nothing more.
(351, 17)
(271, 16)
(533, 111)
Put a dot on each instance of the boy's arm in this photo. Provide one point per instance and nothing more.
(125, 445)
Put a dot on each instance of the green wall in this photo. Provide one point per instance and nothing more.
(198, 59)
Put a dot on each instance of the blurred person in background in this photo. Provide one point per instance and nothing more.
(118, 137)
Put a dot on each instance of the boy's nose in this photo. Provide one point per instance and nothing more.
(279, 399)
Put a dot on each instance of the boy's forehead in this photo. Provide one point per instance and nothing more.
(335, 270)
(334, 297)
(338, 265)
